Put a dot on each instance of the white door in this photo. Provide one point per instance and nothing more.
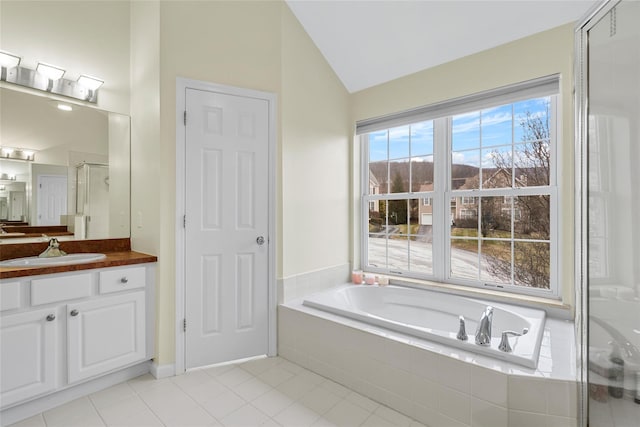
(105, 334)
(17, 203)
(227, 221)
(52, 199)
(28, 354)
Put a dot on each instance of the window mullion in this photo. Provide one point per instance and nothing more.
(441, 177)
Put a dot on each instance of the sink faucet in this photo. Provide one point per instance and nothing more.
(483, 332)
(53, 250)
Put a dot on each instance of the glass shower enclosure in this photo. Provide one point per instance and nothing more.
(92, 201)
(608, 166)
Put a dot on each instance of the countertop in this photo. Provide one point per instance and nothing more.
(118, 252)
(113, 259)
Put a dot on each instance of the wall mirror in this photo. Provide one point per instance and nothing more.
(76, 178)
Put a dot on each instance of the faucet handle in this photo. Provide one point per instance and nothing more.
(504, 341)
(462, 332)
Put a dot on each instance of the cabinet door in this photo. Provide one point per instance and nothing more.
(28, 354)
(105, 334)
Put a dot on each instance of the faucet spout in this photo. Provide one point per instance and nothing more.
(53, 250)
(483, 332)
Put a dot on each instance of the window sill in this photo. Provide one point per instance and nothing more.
(553, 308)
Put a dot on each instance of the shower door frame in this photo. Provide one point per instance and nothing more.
(581, 244)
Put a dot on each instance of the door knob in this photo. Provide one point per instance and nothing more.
(51, 318)
(260, 240)
(74, 313)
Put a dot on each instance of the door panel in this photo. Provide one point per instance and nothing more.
(52, 199)
(227, 145)
(28, 355)
(105, 334)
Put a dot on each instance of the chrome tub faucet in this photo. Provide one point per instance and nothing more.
(483, 332)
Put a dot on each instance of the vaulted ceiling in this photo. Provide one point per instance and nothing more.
(369, 42)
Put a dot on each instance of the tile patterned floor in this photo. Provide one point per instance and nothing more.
(262, 392)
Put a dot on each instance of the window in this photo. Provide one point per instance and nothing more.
(467, 197)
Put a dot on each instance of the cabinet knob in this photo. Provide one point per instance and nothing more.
(74, 313)
(124, 280)
(51, 318)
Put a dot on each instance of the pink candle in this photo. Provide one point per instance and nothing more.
(356, 277)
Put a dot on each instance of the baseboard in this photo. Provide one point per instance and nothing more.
(28, 409)
(162, 371)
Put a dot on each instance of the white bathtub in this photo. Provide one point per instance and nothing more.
(434, 316)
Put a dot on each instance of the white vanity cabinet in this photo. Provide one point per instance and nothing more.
(104, 334)
(61, 330)
(29, 354)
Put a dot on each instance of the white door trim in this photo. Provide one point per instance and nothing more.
(182, 84)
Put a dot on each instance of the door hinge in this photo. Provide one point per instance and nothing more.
(184, 221)
(185, 117)
(184, 325)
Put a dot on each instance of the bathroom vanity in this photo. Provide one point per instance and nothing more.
(63, 327)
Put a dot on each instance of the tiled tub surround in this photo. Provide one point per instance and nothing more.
(432, 383)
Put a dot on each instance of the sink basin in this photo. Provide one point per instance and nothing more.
(34, 261)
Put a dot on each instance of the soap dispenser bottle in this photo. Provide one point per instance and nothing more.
(616, 373)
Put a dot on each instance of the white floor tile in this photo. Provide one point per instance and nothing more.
(245, 416)
(35, 421)
(215, 371)
(296, 387)
(234, 377)
(190, 379)
(251, 389)
(297, 415)
(268, 392)
(335, 388)
(394, 417)
(129, 412)
(347, 414)
(376, 421)
(258, 366)
(320, 400)
(145, 382)
(272, 402)
(166, 395)
(79, 412)
(323, 422)
(364, 402)
(223, 404)
(112, 395)
(275, 376)
(205, 391)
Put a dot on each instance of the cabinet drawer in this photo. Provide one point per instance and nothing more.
(54, 289)
(9, 295)
(122, 279)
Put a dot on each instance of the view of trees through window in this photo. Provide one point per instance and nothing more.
(496, 217)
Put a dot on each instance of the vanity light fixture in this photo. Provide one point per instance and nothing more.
(49, 78)
(7, 61)
(18, 154)
(50, 71)
(91, 83)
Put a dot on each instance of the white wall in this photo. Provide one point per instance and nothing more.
(316, 134)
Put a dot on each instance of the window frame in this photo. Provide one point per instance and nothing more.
(442, 194)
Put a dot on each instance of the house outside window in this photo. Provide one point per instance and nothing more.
(468, 197)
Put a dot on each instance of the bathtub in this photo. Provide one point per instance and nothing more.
(435, 316)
